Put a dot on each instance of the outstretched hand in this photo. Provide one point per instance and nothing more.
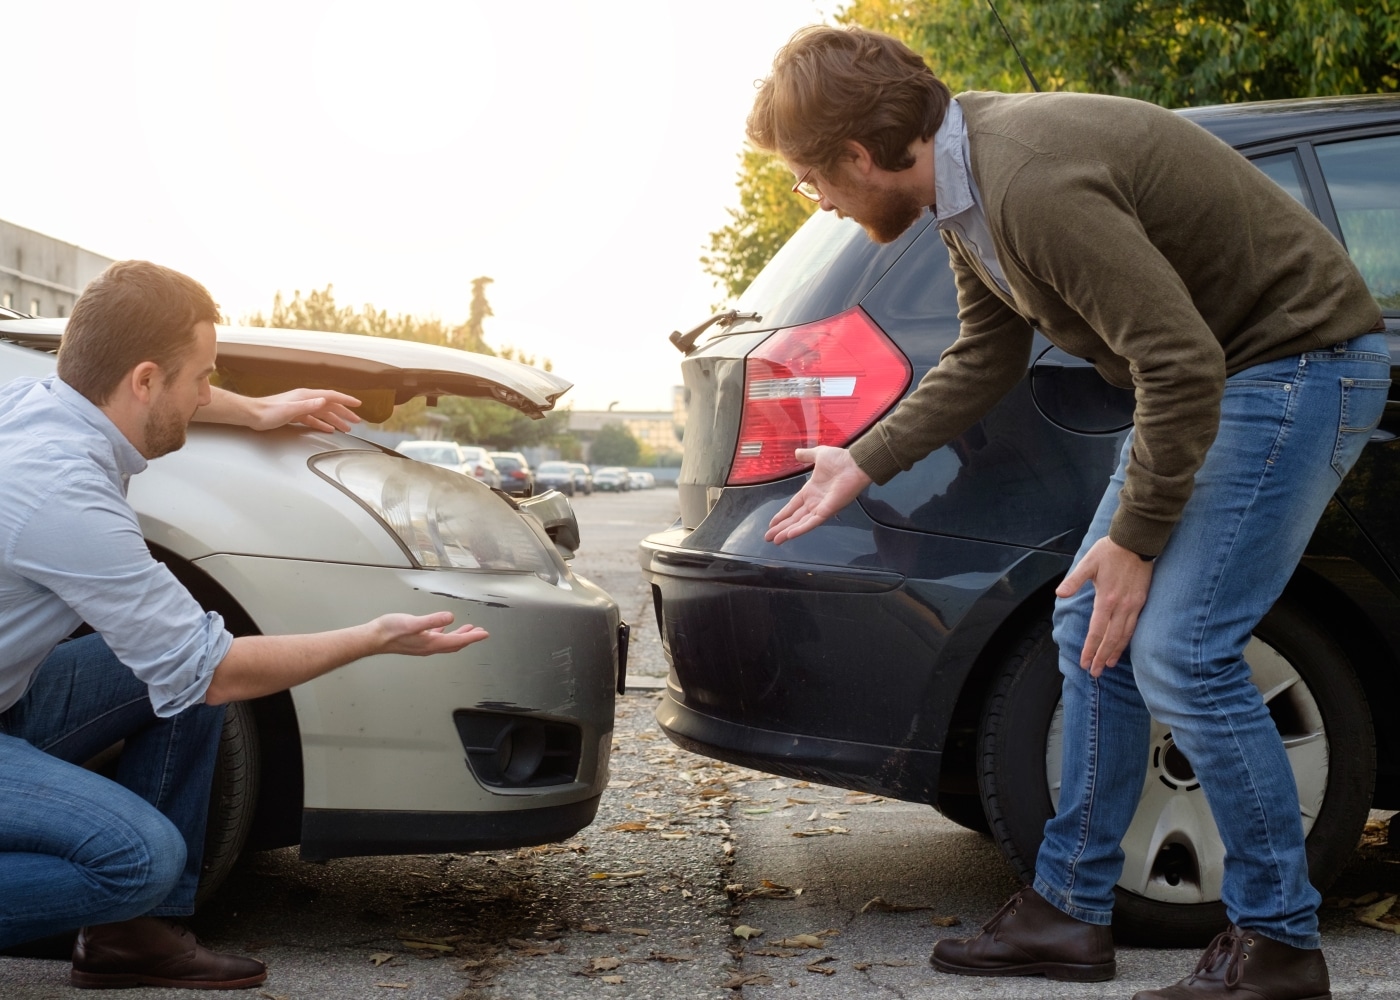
(424, 635)
(319, 409)
(836, 481)
(1121, 580)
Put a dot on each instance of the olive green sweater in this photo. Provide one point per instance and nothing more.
(1136, 240)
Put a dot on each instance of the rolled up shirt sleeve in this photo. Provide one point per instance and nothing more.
(83, 543)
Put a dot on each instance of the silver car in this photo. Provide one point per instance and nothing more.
(503, 744)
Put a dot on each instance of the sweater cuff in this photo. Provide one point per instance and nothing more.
(1139, 534)
(874, 457)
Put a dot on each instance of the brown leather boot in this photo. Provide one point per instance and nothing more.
(1245, 965)
(148, 951)
(1029, 937)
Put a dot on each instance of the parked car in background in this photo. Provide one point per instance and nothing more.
(481, 466)
(500, 745)
(443, 454)
(641, 480)
(517, 478)
(583, 478)
(611, 479)
(557, 476)
(903, 648)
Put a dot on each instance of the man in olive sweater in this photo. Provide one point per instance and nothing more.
(1132, 238)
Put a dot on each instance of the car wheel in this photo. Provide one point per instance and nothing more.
(232, 799)
(1169, 894)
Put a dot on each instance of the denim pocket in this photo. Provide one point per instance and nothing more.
(1363, 402)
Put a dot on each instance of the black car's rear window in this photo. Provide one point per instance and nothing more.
(825, 268)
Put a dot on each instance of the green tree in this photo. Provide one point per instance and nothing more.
(1173, 54)
(614, 445)
(767, 215)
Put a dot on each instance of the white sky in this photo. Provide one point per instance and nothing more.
(577, 153)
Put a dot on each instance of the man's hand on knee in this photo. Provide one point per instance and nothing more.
(1121, 580)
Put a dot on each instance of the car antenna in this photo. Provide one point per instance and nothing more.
(1029, 75)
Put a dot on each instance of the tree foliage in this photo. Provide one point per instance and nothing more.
(767, 215)
(1173, 54)
(614, 445)
(478, 421)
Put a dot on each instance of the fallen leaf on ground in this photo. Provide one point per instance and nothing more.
(273, 996)
(639, 931)
(745, 931)
(682, 835)
(429, 946)
(824, 832)
(741, 979)
(1379, 915)
(772, 953)
(800, 941)
(946, 921)
(593, 928)
(633, 827)
(605, 964)
(379, 958)
(535, 947)
(603, 875)
(612, 980)
(658, 956)
(819, 965)
(882, 905)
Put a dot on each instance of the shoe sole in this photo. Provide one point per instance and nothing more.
(1058, 971)
(126, 980)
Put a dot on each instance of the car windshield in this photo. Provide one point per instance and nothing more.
(436, 454)
(554, 468)
(473, 454)
(505, 463)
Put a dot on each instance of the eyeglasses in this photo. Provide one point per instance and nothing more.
(808, 189)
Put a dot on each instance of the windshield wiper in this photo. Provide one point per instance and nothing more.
(685, 342)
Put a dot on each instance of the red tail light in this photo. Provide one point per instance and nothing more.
(824, 383)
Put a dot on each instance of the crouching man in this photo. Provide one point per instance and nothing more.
(120, 858)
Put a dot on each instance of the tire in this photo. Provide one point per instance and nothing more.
(232, 798)
(1172, 899)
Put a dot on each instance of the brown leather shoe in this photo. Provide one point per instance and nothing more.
(1245, 965)
(1029, 937)
(148, 951)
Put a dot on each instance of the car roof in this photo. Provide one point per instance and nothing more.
(260, 360)
(1255, 122)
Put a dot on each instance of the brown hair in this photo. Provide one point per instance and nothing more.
(134, 311)
(829, 85)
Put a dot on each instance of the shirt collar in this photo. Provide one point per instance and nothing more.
(952, 183)
(129, 460)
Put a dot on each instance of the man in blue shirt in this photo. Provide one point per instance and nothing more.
(76, 849)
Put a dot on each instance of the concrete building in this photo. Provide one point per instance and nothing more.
(40, 275)
(659, 430)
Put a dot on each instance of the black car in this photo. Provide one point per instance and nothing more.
(903, 647)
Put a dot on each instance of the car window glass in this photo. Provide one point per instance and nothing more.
(1285, 171)
(1364, 182)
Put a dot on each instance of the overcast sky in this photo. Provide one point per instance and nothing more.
(577, 153)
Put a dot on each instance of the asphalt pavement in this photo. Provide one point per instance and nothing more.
(698, 879)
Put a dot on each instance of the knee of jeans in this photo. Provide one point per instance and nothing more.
(1070, 622)
(137, 860)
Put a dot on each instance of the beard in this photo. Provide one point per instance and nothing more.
(888, 214)
(165, 431)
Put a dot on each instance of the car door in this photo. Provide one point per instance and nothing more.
(1357, 189)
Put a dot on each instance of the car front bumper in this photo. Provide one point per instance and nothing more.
(384, 761)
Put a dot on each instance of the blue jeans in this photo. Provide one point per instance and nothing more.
(75, 847)
(1289, 431)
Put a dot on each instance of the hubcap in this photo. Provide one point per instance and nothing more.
(1172, 850)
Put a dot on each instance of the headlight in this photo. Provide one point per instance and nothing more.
(444, 520)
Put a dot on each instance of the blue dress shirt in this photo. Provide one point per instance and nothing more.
(957, 202)
(71, 551)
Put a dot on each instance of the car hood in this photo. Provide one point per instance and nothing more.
(381, 371)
